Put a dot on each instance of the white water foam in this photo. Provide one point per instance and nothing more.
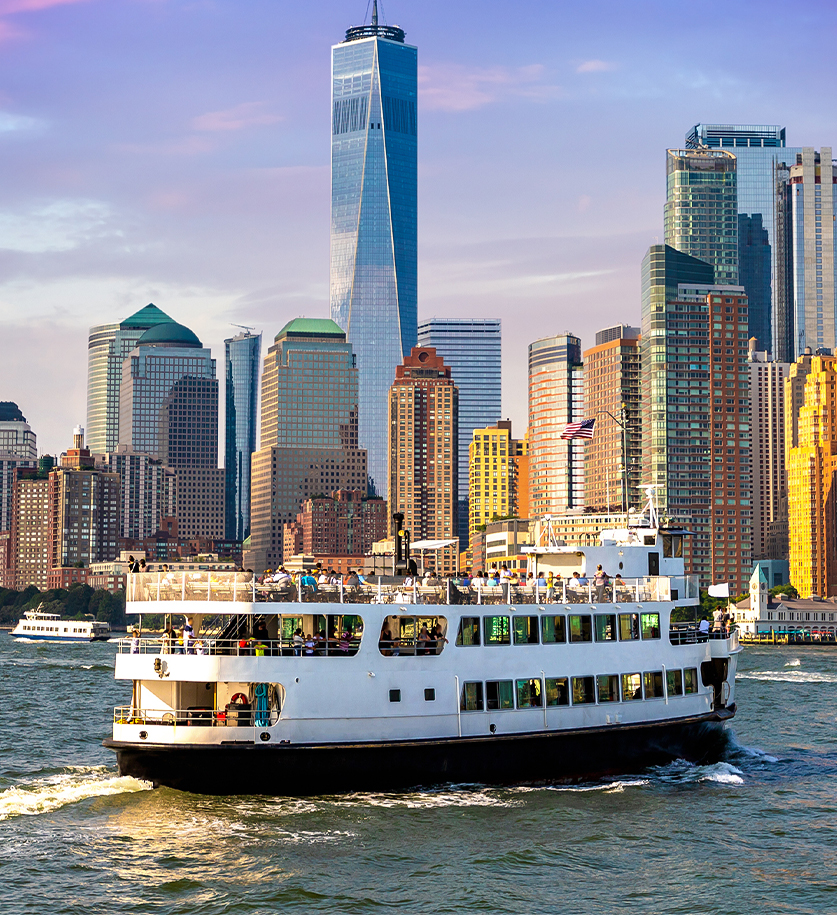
(70, 787)
(609, 787)
(794, 662)
(787, 676)
(722, 773)
(420, 799)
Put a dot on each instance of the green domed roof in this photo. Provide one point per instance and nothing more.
(147, 317)
(311, 327)
(172, 334)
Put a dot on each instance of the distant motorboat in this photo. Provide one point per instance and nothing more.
(38, 626)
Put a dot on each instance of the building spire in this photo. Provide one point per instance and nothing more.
(375, 12)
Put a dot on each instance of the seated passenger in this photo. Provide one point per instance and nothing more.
(423, 641)
(351, 580)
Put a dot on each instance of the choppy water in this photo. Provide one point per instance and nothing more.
(755, 833)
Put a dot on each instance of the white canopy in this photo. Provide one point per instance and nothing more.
(431, 544)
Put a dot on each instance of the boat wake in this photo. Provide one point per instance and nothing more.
(451, 796)
(787, 676)
(75, 784)
(794, 662)
(680, 771)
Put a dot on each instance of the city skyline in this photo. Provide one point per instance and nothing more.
(211, 199)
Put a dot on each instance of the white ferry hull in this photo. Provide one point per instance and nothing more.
(34, 637)
(535, 758)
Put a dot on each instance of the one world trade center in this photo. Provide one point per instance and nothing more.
(373, 217)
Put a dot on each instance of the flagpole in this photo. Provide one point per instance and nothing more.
(623, 425)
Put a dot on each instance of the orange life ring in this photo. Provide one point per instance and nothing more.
(239, 699)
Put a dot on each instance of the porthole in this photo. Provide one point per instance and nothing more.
(143, 735)
(264, 736)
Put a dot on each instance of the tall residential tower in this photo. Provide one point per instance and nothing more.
(374, 216)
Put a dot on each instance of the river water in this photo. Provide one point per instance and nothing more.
(756, 833)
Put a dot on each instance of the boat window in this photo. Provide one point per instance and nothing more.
(650, 625)
(584, 690)
(631, 687)
(557, 691)
(497, 630)
(674, 682)
(605, 627)
(672, 546)
(499, 694)
(581, 628)
(529, 693)
(471, 697)
(469, 631)
(690, 680)
(628, 627)
(525, 630)
(607, 686)
(554, 629)
(430, 695)
(653, 684)
(412, 635)
(395, 695)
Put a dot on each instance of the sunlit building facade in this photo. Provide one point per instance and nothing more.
(473, 351)
(18, 448)
(374, 216)
(556, 397)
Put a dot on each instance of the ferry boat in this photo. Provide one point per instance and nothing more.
(38, 626)
(286, 690)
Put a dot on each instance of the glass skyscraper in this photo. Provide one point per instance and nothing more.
(762, 162)
(107, 348)
(701, 212)
(556, 397)
(242, 355)
(473, 351)
(373, 216)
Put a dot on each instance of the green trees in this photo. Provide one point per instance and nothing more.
(76, 602)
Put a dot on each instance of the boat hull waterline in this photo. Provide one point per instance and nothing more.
(501, 759)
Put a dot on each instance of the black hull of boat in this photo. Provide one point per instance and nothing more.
(507, 759)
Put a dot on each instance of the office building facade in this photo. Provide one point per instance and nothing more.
(107, 348)
(374, 168)
(169, 410)
(696, 411)
(762, 161)
(242, 361)
(346, 523)
(148, 491)
(770, 484)
(812, 485)
(613, 458)
(309, 431)
(556, 397)
(18, 448)
(423, 442)
(701, 211)
(29, 553)
(498, 476)
(473, 351)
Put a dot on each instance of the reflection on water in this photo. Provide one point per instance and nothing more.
(743, 835)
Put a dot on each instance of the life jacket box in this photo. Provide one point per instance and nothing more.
(239, 715)
(199, 716)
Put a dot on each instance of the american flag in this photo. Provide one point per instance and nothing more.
(584, 429)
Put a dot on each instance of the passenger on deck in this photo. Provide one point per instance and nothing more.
(324, 578)
(352, 581)
(298, 642)
(167, 640)
(423, 641)
(439, 635)
(600, 580)
(310, 644)
(385, 642)
(188, 635)
(704, 626)
(550, 587)
(135, 641)
(575, 589)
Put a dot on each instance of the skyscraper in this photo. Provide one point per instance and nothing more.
(701, 211)
(423, 436)
(498, 476)
(107, 348)
(695, 407)
(242, 361)
(18, 448)
(770, 483)
(374, 215)
(169, 410)
(812, 484)
(556, 397)
(473, 351)
(309, 436)
(612, 396)
(762, 161)
(812, 207)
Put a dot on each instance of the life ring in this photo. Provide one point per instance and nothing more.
(239, 699)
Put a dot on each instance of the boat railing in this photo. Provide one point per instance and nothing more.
(335, 647)
(244, 587)
(232, 715)
(690, 633)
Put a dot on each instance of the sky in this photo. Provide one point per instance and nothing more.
(177, 152)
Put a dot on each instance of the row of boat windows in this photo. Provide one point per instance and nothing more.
(550, 630)
(26, 628)
(491, 695)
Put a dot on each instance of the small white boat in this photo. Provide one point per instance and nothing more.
(38, 626)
